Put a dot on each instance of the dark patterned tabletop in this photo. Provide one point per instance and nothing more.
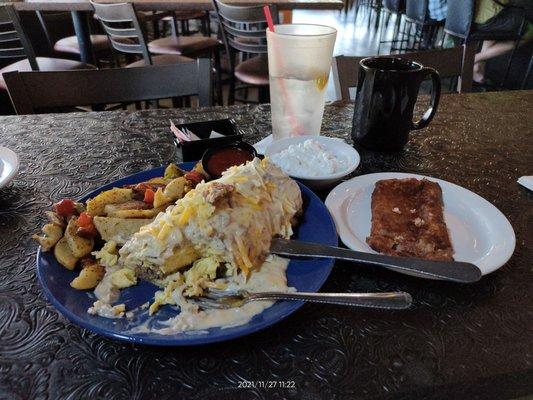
(457, 341)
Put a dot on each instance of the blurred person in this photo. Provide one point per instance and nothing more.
(437, 9)
(498, 15)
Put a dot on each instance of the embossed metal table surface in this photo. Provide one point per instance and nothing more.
(457, 341)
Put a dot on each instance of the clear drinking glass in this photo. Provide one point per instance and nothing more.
(299, 61)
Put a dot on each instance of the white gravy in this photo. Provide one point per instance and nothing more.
(270, 277)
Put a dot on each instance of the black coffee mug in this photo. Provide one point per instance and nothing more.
(387, 90)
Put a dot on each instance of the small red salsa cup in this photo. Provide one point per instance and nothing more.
(218, 159)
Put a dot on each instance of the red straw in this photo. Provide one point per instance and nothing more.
(268, 15)
(295, 128)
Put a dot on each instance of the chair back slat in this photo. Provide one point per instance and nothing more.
(248, 47)
(119, 20)
(120, 32)
(32, 92)
(115, 12)
(448, 62)
(126, 47)
(9, 36)
(14, 52)
(240, 14)
(236, 31)
(240, 24)
(13, 40)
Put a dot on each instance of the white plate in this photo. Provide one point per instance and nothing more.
(9, 166)
(338, 147)
(479, 232)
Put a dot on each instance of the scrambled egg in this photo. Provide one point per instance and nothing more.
(123, 278)
(107, 255)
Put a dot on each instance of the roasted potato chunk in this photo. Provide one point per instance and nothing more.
(136, 213)
(79, 246)
(119, 230)
(175, 189)
(160, 199)
(109, 209)
(172, 171)
(89, 277)
(181, 258)
(158, 181)
(64, 255)
(97, 205)
(52, 234)
(55, 218)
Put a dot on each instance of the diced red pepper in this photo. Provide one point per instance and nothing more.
(65, 208)
(139, 189)
(86, 227)
(149, 196)
(84, 219)
(194, 176)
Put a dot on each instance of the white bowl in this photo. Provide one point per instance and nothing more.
(9, 166)
(336, 146)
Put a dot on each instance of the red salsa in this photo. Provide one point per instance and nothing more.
(227, 157)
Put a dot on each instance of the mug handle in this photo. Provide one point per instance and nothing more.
(435, 97)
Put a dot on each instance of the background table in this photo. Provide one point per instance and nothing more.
(457, 341)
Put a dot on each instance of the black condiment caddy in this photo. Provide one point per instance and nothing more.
(193, 150)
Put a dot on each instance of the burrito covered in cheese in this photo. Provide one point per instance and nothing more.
(224, 224)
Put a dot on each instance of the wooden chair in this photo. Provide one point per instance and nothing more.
(448, 62)
(243, 29)
(33, 92)
(14, 44)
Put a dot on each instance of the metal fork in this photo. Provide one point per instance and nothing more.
(220, 299)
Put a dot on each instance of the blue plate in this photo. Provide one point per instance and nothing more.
(306, 275)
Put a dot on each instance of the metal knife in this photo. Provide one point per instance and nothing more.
(454, 271)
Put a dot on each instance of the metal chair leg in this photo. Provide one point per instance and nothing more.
(157, 31)
(357, 5)
(382, 28)
(397, 24)
(264, 94)
(443, 39)
(511, 57)
(528, 73)
(231, 94)
(218, 69)
(174, 26)
(378, 15)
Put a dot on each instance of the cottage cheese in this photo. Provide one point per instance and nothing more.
(309, 158)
